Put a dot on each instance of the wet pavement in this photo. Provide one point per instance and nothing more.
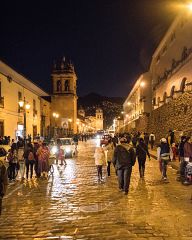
(73, 205)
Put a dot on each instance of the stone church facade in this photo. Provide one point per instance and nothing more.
(64, 97)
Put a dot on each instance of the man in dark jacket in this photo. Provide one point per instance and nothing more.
(3, 181)
(141, 153)
(123, 160)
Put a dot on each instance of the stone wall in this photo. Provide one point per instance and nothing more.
(175, 115)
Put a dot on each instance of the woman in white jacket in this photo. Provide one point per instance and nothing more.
(99, 161)
(109, 150)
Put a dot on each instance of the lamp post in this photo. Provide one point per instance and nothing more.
(55, 116)
(25, 106)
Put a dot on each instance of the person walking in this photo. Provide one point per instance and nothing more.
(146, 139)
(3, 181)
(29, 160)
(109, 150)
(99, 156)
(13, 160)
(163, 155)
(141, 153)
(152, 140)
(187, 156)
(123, 160)
(43, 160)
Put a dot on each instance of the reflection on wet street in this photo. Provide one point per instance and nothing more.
(73, 205)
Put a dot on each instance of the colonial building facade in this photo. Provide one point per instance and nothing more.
(15, 88)
(170, 84)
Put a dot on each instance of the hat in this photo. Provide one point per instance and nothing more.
(164, 140)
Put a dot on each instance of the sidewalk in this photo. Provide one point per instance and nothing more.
(174, 164)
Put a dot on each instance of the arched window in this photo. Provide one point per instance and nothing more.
(172, 91)
(183, 82)
(66, 85)
(59, 86)
(164, 96)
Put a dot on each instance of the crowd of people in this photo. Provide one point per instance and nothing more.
(123, 150)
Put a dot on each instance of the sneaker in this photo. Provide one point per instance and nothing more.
(164, 178)
(126, 193)
(121, 190)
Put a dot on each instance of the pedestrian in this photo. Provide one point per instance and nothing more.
(61, 155)
(152, 140)
(134, 140)
(13, 160)
(109, 150)
(29, 160)
(43, 160)
(163, 155)
(146, 139)
(187, 155)
(141, 153)
(75, 140)
(3, 181)
(174, 150)
(123, 160)
(181, 157)
(99, 161)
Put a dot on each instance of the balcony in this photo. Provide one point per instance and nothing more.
(1, 102)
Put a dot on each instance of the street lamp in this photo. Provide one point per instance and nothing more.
(25, 106)
(55, 116)
(189, 6)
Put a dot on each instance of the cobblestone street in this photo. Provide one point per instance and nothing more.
(73, 205)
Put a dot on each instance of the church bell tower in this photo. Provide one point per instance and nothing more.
(64, 97)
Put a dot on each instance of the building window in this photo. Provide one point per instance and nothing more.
(34, 108)
(19, 96)
(172, 91)
(19, 99)
(59, 86)
(183, 82)
(66, 85)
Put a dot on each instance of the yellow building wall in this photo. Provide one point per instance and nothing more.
(10, 115)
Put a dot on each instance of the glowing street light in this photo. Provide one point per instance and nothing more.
(25, 106)
(142, 84)
(189, 6)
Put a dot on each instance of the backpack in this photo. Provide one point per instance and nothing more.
(31, 156)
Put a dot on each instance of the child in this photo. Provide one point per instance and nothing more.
(99, 161)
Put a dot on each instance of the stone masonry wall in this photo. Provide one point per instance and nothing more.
(175, 115)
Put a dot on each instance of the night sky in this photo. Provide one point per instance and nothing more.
(110, 42)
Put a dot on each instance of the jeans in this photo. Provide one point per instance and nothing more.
(30, 164)
(164, 164)
(12, 170)
(124, 176)
(141, 162)
(99, 171)
(108, 168)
